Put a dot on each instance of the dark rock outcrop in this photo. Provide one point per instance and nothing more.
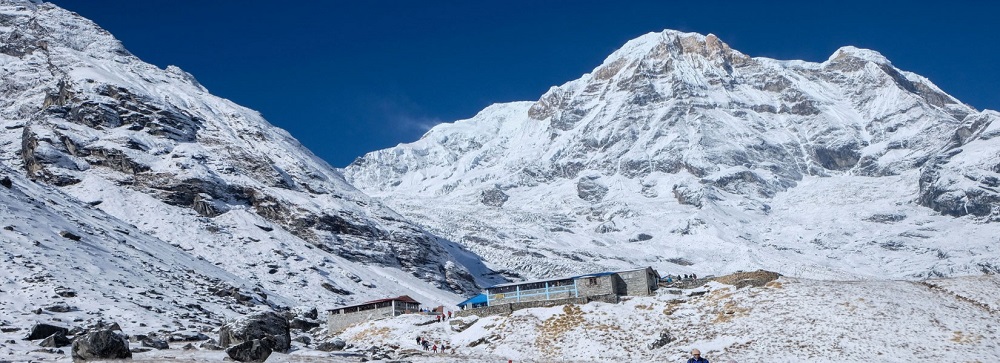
(493, 197)
(102, 344)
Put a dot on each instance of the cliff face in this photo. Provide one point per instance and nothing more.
(154, 148)
(681, 152)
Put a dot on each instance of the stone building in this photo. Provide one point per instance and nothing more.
(637, 282)
(342, 317)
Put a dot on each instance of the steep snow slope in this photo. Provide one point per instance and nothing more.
(788, 320)
(153, 148)
(682, 153)
(59, 252)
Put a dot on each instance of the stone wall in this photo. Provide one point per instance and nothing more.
(338, 322)
(638, 283)
(597, 286)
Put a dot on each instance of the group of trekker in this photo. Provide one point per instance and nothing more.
(443, 316)
(433, 346)
(672, 278)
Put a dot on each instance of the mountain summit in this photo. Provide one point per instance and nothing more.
(680, 152)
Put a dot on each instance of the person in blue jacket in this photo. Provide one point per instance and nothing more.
(696, 357)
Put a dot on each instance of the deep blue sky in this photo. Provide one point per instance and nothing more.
(350, 77)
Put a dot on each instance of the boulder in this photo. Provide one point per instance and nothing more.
(332, 345)
(42, 331)
(307, 312)
(302, 324)
(56, 340)
(257, 326)
(256, 350)
(101, 344)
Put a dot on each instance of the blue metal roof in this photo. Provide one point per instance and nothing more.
(478, 299)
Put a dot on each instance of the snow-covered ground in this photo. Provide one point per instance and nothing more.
(788, 320)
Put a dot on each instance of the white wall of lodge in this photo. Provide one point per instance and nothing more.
(341, 318)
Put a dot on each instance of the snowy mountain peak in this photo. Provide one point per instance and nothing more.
(858, 53)
(680, 152)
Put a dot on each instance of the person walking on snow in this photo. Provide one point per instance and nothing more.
(696, 357)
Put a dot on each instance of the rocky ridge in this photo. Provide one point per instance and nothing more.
(155, 149)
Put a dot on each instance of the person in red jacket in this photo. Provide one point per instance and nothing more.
(696, 357)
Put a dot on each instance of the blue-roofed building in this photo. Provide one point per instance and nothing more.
(477, 301)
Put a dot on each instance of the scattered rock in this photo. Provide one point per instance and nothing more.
(188, 346)
(155, 343)
(6, 182)
(304, 339)
(102, 344)
(332, 345)
(256, 350)
(60, 308)
(307, 312)
(209, 346)
(257, 326)
(141, 350)
(69, 235)
(65, 292)
(42, 331)
(664, 339)
(188, 336)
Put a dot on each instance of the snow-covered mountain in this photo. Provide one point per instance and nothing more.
(153, 148)
(682, 153)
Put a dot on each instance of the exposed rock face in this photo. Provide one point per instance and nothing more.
(493, 197)
(965, 178)
(102, 344)
(697, 142)
(257, 326)
(82, 113)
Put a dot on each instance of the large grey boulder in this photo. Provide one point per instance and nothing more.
(256, 350)
(257, 326)
(101, 344)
